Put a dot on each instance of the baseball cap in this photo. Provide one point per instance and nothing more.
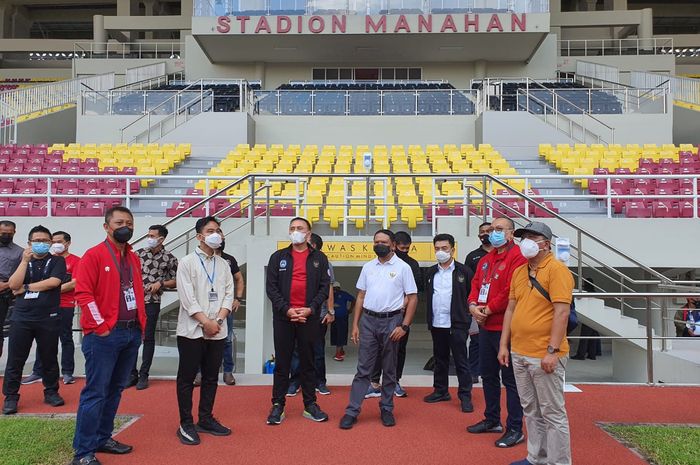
(535, 227)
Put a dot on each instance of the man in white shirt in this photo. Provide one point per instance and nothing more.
(205, 287)
(386, 300)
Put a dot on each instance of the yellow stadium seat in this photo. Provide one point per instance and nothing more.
(412, 215)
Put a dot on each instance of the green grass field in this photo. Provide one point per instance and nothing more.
(662, 445)
(38, 440)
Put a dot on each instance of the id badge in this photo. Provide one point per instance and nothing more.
(130, 298)
(213, 296)
(484, 293)
(31, 295)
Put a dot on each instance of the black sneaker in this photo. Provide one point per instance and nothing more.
(347, 421)
(133, 379)
(510, 438)
(53, 399)
(112, 446)
(188, 435)
(485, 426)
(276, 414)
(87, 460)
(142, 383)
(9, 407)
(437, 397)
(388, 419)
(212, 426)
(314, 412)
(467, 406)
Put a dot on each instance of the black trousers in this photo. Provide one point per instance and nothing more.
(588, 347)
(287, 335)
(377, 372)
(67, 344)
(446, 340)
(149, 340)
(194, 354)
(6, 299)
(22, 335)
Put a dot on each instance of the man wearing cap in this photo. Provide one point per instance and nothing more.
(535, 327)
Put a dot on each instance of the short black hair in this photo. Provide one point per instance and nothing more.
(199, 225)
(38, 229)
(487, 223)
(509, 220)
(387, 232)
(299, 218)
(444, 237)
(8, 223)
(402, 237)
(66, 236)
(162, 230)
(110, 213)
(316, 241)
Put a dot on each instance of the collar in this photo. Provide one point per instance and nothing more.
(449, 268)
(202, 254)
(545, 261)
(391, 261)
(127, 246)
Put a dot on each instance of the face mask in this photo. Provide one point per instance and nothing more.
(297, 237)
(223, 244)
(442, 257)
(40, 248)
(213, 240)
(5, 239)
(497, 238)
(123, 234)
(57, 249)
(529, 248)
(382, 250)
(152, 242)
(484, 238)
(401, 254)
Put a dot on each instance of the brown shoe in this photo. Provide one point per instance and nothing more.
(229, 379)
(198, 379)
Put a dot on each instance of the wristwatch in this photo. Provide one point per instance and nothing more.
(331, 312)
(219, 321)
(405, 327)
(552, 350)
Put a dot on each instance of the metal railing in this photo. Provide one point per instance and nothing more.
(144, 72)
(369, 7)
(91, 50)
(683, 89)
(366, 102)
(8, 124)
(614, 47)
(597, 71)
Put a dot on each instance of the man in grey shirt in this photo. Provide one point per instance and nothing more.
(10, 257)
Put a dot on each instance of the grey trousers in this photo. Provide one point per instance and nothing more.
(542, 398)
(375, 342)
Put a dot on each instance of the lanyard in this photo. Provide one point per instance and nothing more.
(44, 271)
(116, 263)
(213, 273)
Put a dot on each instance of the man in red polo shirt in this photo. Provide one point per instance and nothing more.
(488, 301)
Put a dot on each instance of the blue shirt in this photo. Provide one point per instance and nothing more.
(341, 299)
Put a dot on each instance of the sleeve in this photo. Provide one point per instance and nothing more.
(409, 282)
(476, 285)
(58, 270)
(86, 282)
(185, 289)
(172, 268)
(234, 266)
(511, 292)
(362, 280)
(279, 303)
(561, 285)
(418, 276)
(228, 290)
(331, 273)
(324, 286)
(499, 302)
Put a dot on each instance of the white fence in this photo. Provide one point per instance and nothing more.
(142, 73)
(598, 71)
(684, 89)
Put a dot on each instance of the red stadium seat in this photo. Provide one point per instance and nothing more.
(665, 209)
(637, 209)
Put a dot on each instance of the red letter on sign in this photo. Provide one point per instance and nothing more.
(339, 24)
(449, 23)
(495, 23)
(320, 24)
(402, 24)
(242, 20)
(263, 25)
(224, 24)
(375, 27)
(423, 23)
(520, 22)
(287, 24)
(471, 22)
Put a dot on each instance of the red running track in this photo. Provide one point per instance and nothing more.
(424, 434)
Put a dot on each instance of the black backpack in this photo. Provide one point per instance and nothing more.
(573, 317)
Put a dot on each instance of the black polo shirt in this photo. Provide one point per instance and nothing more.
(47, 303)
(473, 258)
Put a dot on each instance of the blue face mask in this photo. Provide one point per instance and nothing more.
(40, 248)
(497, 238)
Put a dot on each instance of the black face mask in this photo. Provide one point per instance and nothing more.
(484, 238)
(123, 234)
(5, 239)
(401, 254)
(382, 250)
(223, 244)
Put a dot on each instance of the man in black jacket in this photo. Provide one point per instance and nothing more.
(298, 282)
(447, 289)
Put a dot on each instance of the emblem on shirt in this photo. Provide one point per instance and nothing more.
(460, 278)
(502, 267)
(283, 264)
(484, 266)
(316, 263)
(392, 274)
(106, 268)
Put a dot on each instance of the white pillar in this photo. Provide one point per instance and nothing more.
(99, 34)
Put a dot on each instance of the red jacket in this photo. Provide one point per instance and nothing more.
(98, 288)
(498, 270)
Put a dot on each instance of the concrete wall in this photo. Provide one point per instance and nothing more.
(58, 127)
(364, 130)
(685, 126)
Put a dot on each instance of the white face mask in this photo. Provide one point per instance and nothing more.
(213, 240)
(152, 242)
(529, 248)
(57, 249)
(442, 257)
(297, 237)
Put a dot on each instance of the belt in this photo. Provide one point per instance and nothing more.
(382, 314)
(127, 324)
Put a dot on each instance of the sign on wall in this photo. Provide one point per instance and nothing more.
(359, 251)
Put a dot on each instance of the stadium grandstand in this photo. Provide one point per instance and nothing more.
(427, 116)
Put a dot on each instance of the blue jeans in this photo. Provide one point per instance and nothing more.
(229, 361)
(108, 364)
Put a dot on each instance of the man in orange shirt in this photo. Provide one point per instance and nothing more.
(535, 328)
